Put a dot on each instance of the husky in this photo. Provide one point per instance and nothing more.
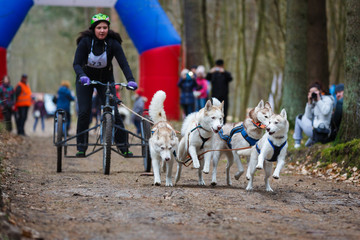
(240, 135)
(197, 130)
(271, 147)
(163, 143)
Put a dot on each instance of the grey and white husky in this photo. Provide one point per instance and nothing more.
(197, 131)
(272, 147)
(163, 143)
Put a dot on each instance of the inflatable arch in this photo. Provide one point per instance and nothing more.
(152, 33)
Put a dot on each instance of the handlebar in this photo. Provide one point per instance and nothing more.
(112, 84)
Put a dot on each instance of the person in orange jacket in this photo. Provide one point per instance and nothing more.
(22, 104)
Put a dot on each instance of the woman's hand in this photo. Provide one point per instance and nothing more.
(132, 85)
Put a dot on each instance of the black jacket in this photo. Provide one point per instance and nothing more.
(219, 84)
(114, 49)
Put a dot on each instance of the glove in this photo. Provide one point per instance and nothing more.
(132, 85)
(85, 80)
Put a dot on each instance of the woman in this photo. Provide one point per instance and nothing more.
(64, 98)
(39, 112)
(201, 93)
(7, 101)
(187, 84)
(93, 60)
(315, 123)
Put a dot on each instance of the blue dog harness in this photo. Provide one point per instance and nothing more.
(241, 129)
(277, 150)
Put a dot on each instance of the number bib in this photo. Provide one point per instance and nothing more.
(97, 61)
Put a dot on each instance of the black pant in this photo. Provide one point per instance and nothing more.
(7, 112)
(21, 116)
(84, 97)
(226, 105)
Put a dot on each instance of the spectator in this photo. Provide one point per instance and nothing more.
(138, 108)
(315, 123)
(201, 94)
(7, 101)
(23, 102)
(337, 115)
(39, 112)
(187, 83)
(220, 79)
(64, 98)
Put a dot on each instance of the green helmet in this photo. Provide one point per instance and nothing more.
(100, 17)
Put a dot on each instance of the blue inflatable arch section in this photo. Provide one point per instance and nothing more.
(147, 24)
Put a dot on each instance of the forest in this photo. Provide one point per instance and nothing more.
(274, 49)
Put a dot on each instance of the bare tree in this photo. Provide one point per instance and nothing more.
(295, 76)
(317, 51)
(193, 33)
(349, 128)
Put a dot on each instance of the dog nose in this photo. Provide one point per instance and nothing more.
(167, 159)
(219, 128)
(268, 129)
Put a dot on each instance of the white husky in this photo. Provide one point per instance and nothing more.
(240, 135)
(271, 147)
(163, 143)
(197, 131)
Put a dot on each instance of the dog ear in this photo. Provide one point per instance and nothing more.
(208, 105)
(283, 113)
(222, 106)
(260, 104)
(268, 105)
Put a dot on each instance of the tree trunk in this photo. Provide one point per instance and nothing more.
(249, 76)
(295, 73)
(349, 128)
(208, 53)
(193, 33)
(317, 51)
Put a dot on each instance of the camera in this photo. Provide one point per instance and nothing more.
(314, 96)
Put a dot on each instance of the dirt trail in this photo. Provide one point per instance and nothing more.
(82, 203)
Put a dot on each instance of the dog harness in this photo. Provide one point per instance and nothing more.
(277, 150)
(201, 137)
(241, 129)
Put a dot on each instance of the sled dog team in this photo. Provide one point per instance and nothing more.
(262, 136)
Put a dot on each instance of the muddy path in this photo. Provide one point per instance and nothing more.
(82, 203)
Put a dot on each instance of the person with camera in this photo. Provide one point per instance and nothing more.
(315, 123)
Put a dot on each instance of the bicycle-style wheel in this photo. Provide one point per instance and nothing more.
(59, 138)
(146, 134)
(107, 126)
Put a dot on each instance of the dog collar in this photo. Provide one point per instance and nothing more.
(199, 126)
(258, 124)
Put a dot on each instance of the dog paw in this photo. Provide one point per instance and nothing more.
(269, 189)
(249, 188)
(276, 177)
(196, 165)
(169, 184)
(157, 184)
(238, 175)
(213, 183)
(259, 167)
(201, 183)
(206, 172)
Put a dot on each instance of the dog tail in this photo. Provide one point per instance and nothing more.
(156, 108)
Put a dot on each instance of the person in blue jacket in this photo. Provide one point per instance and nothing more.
(187, 85)
(63, 100)
(96, 47)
